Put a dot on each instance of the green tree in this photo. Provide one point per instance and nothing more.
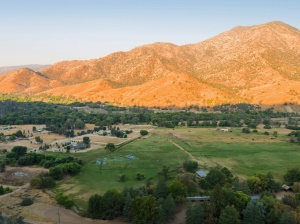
(194, 214)
(161, 190)
(144, 132)
(177, 189)
(292, 175)
(110, 146)
(254, 213)
(190, 166)
(143, 209)
(113, 202)
(38, 139)
(19, 150)
(86, 140)
(229, 215)
(215, 176)
(95, 206)
(240, 200)
(169, 208)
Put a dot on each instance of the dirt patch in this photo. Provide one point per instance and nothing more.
(13, 174)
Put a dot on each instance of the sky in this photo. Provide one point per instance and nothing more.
(49, 31)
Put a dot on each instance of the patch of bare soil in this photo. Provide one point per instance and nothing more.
(13, 174)
(43, 210)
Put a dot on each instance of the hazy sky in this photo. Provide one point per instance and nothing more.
(48, 31)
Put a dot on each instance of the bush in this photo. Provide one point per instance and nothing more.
(267, 127)
(144, 132)
(64, 200)
(246, 130)
(140, 176)
(26, 202)
(121, 178)
(110, 146)
(36, 183)
(190, 166)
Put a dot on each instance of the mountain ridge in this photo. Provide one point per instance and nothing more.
(244, 64)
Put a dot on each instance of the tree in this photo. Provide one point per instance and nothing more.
(2, 166)
(254, 213)
(144, 132)
(194, 214)
(289, 217)
(215, 176)
(64, 200)
(34, 128)
(240, 200)
(258, 183)
(113, 202)
(86, 140)
(229, 215)
(19, 151)
(292, 175)
(143, 209)
(190, 166)
(177, 189)
(110, 146)
(95, 206)
(169, 208)
(38, 139)
(161, 190)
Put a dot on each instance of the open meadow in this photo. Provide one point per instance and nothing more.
(244, 154)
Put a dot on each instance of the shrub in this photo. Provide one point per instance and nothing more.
(144, 132)
(26, 202)
(140, 176)
(36, 183)
(121, 178)
(190, 166)
(267, 127)
(64, 200)
(246, 130)
(110, 146)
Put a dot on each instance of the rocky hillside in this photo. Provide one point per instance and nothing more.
(255, 64)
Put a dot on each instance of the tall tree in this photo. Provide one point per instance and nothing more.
(229, 215)
(254, 213)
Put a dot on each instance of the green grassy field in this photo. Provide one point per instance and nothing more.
(244, 154)
(145, 155)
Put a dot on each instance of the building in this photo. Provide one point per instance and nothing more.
(201, 173)
(78, 146)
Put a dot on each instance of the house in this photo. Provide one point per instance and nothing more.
(201, 173)
(78, 146)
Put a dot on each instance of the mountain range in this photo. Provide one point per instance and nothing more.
(35, 67)
(252, 64)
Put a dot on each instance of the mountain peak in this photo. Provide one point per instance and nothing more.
(252, 64)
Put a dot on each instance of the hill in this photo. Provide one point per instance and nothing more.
(6, 69)
(254, 64)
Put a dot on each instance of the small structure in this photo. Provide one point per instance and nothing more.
(198, 198)
(207, 198)
(78, 146)
(2, 128)
(285, 187)
(201, 173)
(224, 129)
(255, 197)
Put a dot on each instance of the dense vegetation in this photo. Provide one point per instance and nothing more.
(61, 118)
